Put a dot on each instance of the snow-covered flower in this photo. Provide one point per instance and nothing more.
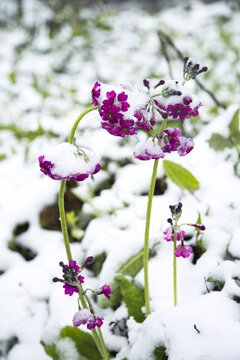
(86, 317)
(66, 161)
(176, 101)
(105, 290)
(169, 234)
(183, 250)
(149, 149)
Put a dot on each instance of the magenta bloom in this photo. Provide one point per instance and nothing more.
(183, 250)
(96, 91)
(84, 317)
(179, 111)
(185, 146)
(169, 234)
(145, 120)
(172, 141)
(66, 161)
(147, 150)
(105, 290)
(70, 275)
(112, 112)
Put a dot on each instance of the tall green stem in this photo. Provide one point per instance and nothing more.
(63, 219)
(147, 229)
(71, 137)
(63, 185)
(175, 268)
(97, 334)
(146, 242)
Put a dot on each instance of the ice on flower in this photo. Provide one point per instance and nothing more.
(84, 317)
(66, 161)
(149, 149)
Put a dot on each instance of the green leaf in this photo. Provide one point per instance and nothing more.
(84, 342)
(51, 350)
(218, 142)
(133, 296)
(234, 127)
(115, 299)
(180, 176)
(160, 353)
(133, 265)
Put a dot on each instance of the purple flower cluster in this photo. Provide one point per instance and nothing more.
(68, 288)
(183, 250)
(169, 234)
(86, 317)
(174, 230)
(112, 112)
(65, 162)
(145, 119)
(105, 290)
(169, 140)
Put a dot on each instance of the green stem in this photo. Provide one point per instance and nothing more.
(63, 185)
(70, 140)
(63, 220)
(175, 268)
(146, 250)
(147, 229)
(97, 335)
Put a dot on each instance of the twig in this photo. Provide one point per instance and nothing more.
(165, 38)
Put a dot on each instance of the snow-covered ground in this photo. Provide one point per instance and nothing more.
(46, 77)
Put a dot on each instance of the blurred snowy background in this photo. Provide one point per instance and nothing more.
(51, 54)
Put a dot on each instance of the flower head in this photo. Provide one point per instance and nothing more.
(183, 250)
(171, 140)
(169, 234)
(176, 101)
(147, 150)
(105, 290)
(86, 317)
(66, 161)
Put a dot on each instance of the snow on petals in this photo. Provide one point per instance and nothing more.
(85, 317)
(147, 150)
(66, 161)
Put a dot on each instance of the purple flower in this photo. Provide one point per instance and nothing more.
(70, 276)
(112, 112)
(71, 279)
(105, 290)
(169, 234)
(185, 146)
(198, 226)
(66, 161)
(145, 119)
(147, 150)
(96, 91)
(179, 111)
(183, 250)
(170, 139)
(84, 317)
